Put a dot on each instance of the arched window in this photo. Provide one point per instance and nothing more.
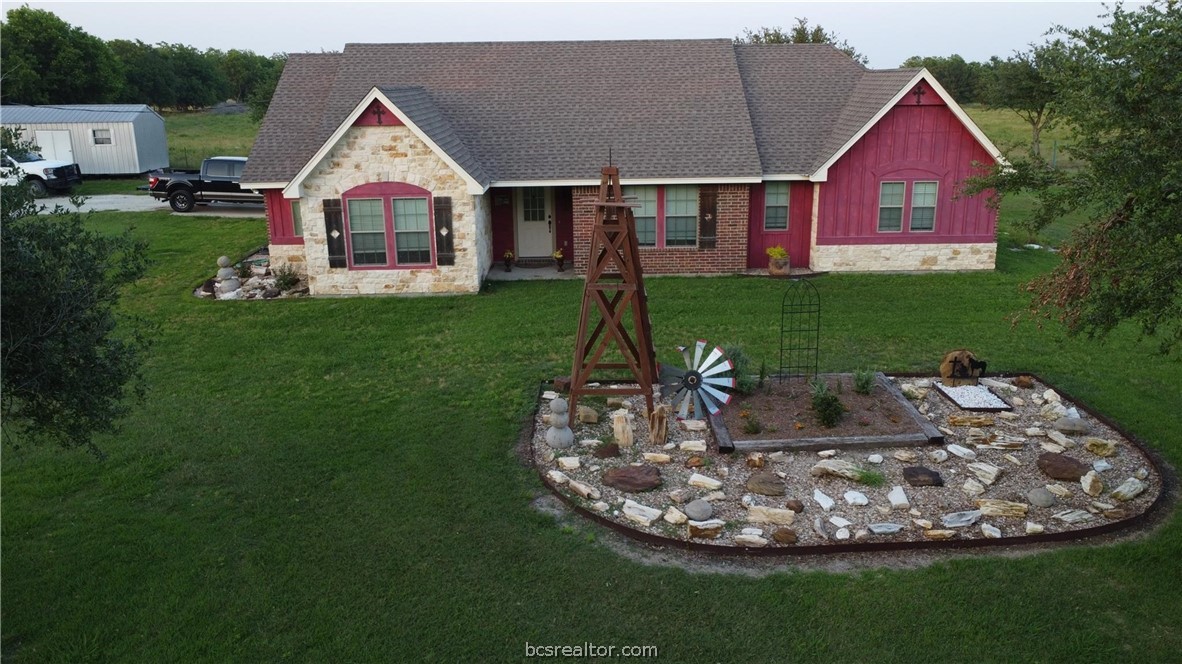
(388, 225)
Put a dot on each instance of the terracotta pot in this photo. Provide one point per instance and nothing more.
(778, 266)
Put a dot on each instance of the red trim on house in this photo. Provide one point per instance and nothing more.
(927, 97)
(502, 222)
(910, 143)
(564, 221)
(387, 192)
(280, 224)
(795, 239)
(369, 118)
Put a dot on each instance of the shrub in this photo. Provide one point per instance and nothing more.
(863, 381)
(751, 424)
(286, 277)
(828, 407)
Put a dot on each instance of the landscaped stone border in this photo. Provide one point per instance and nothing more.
(1162, 483)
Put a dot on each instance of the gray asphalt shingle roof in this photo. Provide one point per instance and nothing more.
(525, 111)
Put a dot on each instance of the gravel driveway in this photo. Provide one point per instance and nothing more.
(143, 203)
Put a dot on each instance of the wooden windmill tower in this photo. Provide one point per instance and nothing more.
(613, 300)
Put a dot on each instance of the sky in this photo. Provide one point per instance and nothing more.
(887, 32)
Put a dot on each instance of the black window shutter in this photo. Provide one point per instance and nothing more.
(707, 216)
(445, 245)
(334, 230)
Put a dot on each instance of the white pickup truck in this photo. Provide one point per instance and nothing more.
(43, 174)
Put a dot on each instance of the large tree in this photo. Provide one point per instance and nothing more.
(68, 360)
(962, 79)
(1118, 89)
(44, 60)
(801, 33)
(1025, 83)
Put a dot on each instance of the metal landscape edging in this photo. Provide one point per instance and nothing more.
(1164, 470)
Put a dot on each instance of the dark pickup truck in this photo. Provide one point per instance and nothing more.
(217, 181)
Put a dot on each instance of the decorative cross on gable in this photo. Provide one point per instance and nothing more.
(378, 112)
(919, 92)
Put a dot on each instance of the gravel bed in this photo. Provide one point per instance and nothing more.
(1012, 442)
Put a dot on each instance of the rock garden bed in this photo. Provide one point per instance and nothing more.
(250, 279)
(1046, 469)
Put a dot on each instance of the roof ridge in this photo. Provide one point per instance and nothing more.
(519, 42)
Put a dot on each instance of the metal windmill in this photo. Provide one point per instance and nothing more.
(700, 382)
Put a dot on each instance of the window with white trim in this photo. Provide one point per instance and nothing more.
(297, 223)
(923, 206)
(645, 214)
(367, 231)
(101, 136)
(775, 206)
(890, 206)
(412, 234)
(681, 215)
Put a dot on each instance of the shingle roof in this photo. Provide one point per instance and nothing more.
(528, 111)
(417, 104)
(72, 113)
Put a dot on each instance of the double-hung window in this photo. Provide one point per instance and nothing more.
(101, 136)
(645, 214)
(412, 235)
(890, 207)
(386, 225)
(923, 206)
(775, 206)
(367, 231)
(681, 215)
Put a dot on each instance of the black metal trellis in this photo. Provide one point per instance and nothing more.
(800, 330)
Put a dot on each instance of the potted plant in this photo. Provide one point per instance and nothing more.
(777, 261)
(507, 259)
(558, 258)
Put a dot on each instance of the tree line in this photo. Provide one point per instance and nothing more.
(48, 61)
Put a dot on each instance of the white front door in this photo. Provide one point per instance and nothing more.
(55, 144)
(535, 222)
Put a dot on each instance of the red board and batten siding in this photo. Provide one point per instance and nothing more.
(795, 239)
(910, 143)
(280, 225)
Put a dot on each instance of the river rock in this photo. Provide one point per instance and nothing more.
(1033, 528)
(1129, 489)
(824, 501)
(1061, 467)
(699, 510)
(633, 479)
(856, 498)
(1091, 483)
(842, 534)
(962, 452)
(1072, 425)
(920, 476)
(960, 519)
(774, 515)
(990, 532)
(641, 514)
(766, 484)
(1100, 447)
(784, 535)
(884, 528)
(1040, 497)
(1100, 465)
(795, 505)
(675, 516)
(706, 529)
(702, 482)
(606, 451)
(938, 456)
(874, 458)
(827, 454)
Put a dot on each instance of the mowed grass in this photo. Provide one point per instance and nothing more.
(334, 480)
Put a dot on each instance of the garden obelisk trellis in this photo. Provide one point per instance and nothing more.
(613, 296)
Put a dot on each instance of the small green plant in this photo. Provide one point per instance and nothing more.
(751, 424)
(818, 388)
(863, 381)
(776, 251)
(828, 407)
(763, 375)
(840, 385)
(871, 478)
(244, 272)
(744, 382)
(286, 277)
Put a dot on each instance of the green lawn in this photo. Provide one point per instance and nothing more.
(333, 480)
(1011, 134)
(194, 136)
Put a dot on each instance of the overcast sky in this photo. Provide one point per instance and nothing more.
(887, 32)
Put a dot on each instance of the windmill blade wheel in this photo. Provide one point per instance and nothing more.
(700, 385)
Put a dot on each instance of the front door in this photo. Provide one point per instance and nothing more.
(55, 145)
(535, 222)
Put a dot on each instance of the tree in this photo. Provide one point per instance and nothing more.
(45, 60)
(962, 79)
(1117, 90)
(149, 79)
(1025, 84)
(801, 33)
(260, 97)
(68, 366)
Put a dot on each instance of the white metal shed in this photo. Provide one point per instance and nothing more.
(103, 139)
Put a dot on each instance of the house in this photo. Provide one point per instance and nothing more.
(398, 168)
(103, 139)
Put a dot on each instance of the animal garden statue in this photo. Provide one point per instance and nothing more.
(960, 367)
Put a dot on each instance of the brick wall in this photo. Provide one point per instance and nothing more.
(729, 256)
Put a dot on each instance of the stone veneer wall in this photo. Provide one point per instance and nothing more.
(902, 257)
(389, 154)
(730, 254)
